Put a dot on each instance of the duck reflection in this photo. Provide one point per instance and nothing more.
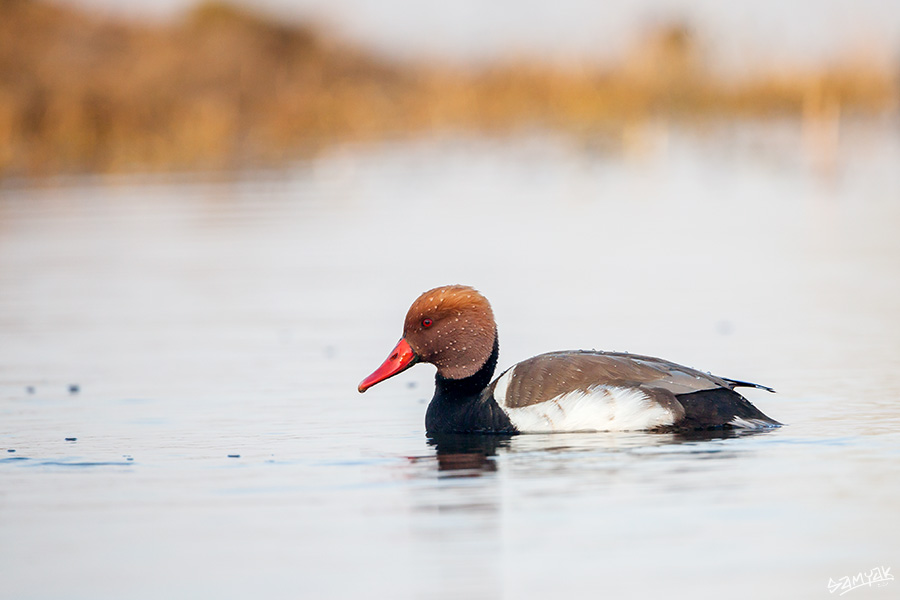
(473, 455)
(467, 455)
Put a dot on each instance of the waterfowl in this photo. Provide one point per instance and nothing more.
(453, 328)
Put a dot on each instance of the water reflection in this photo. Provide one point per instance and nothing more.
(472, 485)
(471, 455)
(470, 473)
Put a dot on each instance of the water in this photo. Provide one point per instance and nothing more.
(216, 331)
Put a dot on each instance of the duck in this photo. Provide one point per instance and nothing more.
(452, 327)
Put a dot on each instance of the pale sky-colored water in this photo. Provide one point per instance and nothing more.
(737, 33)
(217, 331)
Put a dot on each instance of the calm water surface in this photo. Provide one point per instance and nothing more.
(217, 330)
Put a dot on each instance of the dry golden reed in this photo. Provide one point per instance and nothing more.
(223, 87)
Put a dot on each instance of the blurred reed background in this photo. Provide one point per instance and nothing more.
(221, 87)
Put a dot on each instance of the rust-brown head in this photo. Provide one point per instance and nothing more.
(451, 327)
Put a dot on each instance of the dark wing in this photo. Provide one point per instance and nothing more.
(547, 376)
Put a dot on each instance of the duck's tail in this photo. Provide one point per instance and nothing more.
(735, 383)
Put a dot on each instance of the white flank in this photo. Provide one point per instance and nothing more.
(601, 408)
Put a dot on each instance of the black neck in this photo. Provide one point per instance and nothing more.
(462, 406)
(473, 385)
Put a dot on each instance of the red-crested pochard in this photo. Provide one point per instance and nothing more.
(453, 328)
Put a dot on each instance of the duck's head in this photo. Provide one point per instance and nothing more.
(451, 327)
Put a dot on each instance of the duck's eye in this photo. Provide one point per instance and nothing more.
(426, 322)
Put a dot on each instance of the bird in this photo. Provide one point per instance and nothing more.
(452, 327)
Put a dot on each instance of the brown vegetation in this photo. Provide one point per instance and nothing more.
(223, 87)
